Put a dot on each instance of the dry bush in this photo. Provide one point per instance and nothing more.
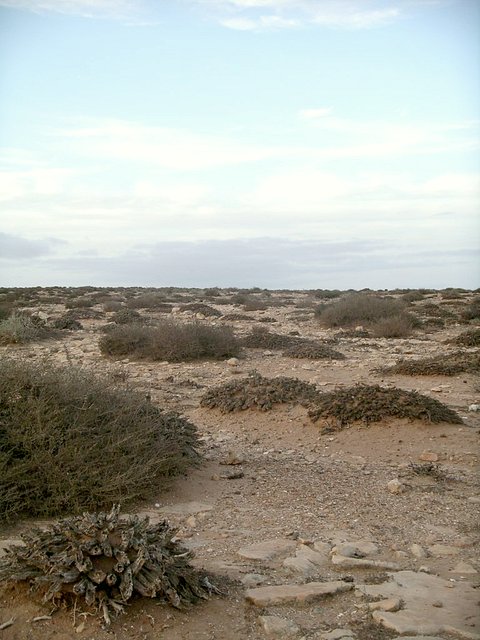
(112, 305)
(374, 403)
(327, 294)
(353, 333)
(69, 441)
(263, 338)
(473, 310)
(151, 301)
(445, 365)
(257, 392)
(400, 326)
(359, 308)
(126, 316)
(105, 561)
(413, 296)
(200, 307)
(254, 305)
(20, 328)
(67, 321)
(170, 341)
(238, 316)
(79, 303)
(313, 351)
(469, 338)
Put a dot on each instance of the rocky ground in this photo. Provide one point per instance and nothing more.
(370, 532)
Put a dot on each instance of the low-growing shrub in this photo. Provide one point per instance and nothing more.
(374, 403)
(126, 316)
(313, 351)
(20, 328)
(68, 322)
(469, 338)
(358, 309)
(200, 307)
(70, 441)
(445, 365)
(79, 303)
(400, 326)
(472, 312)
(257, 392)
(112, 305)
(263, 338)
(151, 301)
(170, 341)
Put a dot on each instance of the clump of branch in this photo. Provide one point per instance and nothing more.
(313, 351)
(263, 338)
(470, 338)
(445, 365)
(372, 403)
(105, 560)
(257, 392)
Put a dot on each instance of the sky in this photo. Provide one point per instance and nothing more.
(275, 143)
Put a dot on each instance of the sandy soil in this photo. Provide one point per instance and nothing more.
(296, 484)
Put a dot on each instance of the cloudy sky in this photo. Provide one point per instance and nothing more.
(272, 143)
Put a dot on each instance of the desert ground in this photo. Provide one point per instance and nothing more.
(310, 531)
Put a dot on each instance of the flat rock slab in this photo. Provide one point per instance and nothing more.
(186, 508)
(268, 550)
(362, 563)
(299, 593)
(275, 627)
(4, 544)
(431, 605)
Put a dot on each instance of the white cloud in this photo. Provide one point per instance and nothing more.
(84, 8)
(35, 181)
(343, 14)
(168, 148)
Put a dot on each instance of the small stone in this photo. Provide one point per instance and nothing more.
(253, 580)
(276, 627)
(429, 456)
(358, 549)
(418, 551)
(389, 604)
(396, 486)
(233, 362)
(234, 457)
(191, 522)
(474, 407)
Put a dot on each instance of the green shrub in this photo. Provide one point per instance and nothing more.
(359, 308)
(170, 341)
(69, 441)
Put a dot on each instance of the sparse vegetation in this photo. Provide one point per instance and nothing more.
(257, 392)
(469, 338)
(170, 341)
(200, 307)
(67, 321)
(69, 442)
(313, 351)
(445, 365)
(126, 316)
(263, 338)
(399, 326)
(372, 403)
(20, 328)
(360, 308)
